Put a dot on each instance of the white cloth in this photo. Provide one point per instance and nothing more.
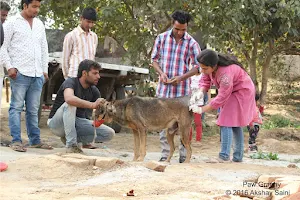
(1, 71)
(195, 88)
(195, 81)
(25, 47)
(195, 109)
(1, 86)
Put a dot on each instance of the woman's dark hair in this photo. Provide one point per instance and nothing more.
(211, 58)
(87, 65)
(27, 2)
(181, 16)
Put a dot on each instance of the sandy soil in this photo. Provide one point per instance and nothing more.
(32, 176)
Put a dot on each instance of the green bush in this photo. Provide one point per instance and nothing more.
(265, 156)
(276, 121)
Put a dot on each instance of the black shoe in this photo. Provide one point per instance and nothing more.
(181, 159)
(253, 148)
(162, 159)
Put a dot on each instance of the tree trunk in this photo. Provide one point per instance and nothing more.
(252, 61)
(265, 72)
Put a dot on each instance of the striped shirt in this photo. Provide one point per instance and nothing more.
(174, 59)
(78, 45)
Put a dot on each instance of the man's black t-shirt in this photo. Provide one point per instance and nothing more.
(90, 94)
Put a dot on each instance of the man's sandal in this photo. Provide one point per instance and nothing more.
(89, 146)
(41, 146)
(18, 146)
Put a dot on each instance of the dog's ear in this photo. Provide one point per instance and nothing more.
(113, 96)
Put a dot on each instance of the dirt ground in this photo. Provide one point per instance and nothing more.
(31, 175)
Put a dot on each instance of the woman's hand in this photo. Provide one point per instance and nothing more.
(196, 109)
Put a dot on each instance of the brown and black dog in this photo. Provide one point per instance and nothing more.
(143, 114)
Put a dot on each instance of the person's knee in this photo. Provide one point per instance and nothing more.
(69, 107)
(111, 134)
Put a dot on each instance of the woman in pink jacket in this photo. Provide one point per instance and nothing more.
(236, 98)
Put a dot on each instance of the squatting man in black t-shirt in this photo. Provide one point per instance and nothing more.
(73, 106)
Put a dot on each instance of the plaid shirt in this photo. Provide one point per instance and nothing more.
(174, 60)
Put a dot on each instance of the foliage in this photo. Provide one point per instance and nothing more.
(276, 121)
(264, 156)
(255, 29)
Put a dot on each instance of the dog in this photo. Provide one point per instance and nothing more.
(143, 114)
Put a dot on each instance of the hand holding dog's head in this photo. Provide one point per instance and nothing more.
(101, 108)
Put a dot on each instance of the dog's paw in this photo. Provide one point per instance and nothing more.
(140, 159)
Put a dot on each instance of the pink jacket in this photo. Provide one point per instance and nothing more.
(257, 118)
(236, 95)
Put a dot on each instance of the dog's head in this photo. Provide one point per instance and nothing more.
(105, 112)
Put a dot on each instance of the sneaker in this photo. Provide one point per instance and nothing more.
(181, 159)
(252, 148)
(74, 149)
(162, 159)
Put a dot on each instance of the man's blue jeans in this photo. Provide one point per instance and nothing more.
(25, 89)
(227, 135)
(75, 129)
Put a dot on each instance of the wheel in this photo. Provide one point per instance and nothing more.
(120, 94)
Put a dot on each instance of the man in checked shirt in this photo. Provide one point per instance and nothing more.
(80, 44)
(173, 52)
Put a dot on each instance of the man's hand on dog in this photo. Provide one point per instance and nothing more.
(98, 102)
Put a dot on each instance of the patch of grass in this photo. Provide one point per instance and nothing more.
(210, 130)
(276, 121)
(265, 156)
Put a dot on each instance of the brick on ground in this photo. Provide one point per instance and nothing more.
(107, 163)
(268, 179)
(156, 166)
(286, 191)
(91, 159)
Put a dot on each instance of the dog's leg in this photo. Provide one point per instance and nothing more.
(136, 137)
(170, 139)
(184, 136)
(143, 137)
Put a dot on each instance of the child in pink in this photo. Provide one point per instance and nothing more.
(254, 126)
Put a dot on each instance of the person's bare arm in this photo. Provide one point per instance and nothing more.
(72, 100)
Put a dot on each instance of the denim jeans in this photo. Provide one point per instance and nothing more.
(25, 89)
(229, 134)
(75, 129)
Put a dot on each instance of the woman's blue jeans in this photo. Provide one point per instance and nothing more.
(229, 135)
